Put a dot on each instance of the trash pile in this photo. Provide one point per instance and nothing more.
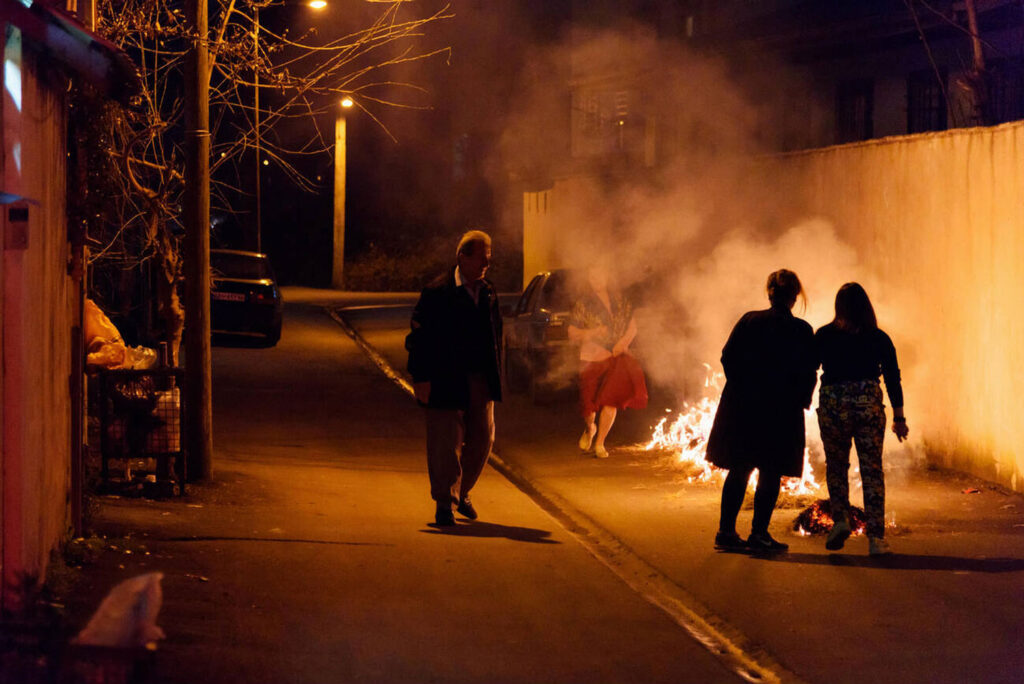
(135, 410)
(105, 347)
(817, 519)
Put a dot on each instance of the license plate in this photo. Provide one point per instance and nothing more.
(229, 296)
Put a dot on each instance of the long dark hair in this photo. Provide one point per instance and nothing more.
(854, 312)
(784, 287)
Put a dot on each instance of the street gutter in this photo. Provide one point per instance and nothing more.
(725, 642)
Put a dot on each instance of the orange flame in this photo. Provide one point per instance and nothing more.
(686, 437)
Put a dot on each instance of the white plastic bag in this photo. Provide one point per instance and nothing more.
(127, 616)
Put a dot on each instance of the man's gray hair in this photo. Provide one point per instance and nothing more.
(468, 242)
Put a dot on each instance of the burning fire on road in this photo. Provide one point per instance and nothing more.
(817, 519)
(685, 438)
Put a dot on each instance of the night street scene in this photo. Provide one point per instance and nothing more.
(512, 341)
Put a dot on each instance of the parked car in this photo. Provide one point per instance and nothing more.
(244, 297)
(539, 358)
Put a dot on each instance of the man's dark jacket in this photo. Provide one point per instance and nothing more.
(451, 338)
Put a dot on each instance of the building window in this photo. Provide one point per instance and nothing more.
(855, 104)
(1006, 91)
(591, 114)
(621, 104)
(926, 102)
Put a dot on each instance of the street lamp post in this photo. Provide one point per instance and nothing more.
(338, 261)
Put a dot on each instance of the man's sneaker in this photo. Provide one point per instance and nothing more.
(839, 534)
(587, 438)
(465, 508)
(730, 541)
(877, 546)
(762, 542)
(444, 516)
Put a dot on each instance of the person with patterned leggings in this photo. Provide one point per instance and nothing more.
(853, 351)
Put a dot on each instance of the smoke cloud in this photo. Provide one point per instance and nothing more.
(689, 232)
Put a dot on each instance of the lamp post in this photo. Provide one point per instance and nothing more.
(313, 4)
(338, 261)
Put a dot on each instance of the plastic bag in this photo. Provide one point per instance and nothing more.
(140, 358)
(103, 342)
(127, 616)
(98, 326)
(107, 355)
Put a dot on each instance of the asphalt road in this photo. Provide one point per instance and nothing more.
(311, 557)
(945, 608)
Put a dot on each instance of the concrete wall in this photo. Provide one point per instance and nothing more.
(553, 218)
(937, 221)
(37, 310)
(538, 233)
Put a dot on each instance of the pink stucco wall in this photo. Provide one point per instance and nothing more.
(37, 310)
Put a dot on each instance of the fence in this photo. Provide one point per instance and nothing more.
(141, 417)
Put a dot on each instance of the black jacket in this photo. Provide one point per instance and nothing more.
(451, 338)
(770, 374)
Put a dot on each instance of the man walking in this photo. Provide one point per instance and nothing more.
(454, 356)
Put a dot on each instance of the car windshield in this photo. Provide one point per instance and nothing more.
(559, 293)
(244, 266)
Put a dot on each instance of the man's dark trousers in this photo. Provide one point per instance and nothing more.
(455, 345)
(459, 442)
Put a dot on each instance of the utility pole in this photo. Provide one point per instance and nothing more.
(198, 397)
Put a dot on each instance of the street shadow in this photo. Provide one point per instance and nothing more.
(240, 340)
(274, 540)
(900, 561)
(493, 530)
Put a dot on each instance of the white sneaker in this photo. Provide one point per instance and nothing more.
(877, 546)
(587, 438)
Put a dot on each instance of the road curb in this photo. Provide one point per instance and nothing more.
(732, 648)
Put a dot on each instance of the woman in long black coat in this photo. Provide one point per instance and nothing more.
(770, 373)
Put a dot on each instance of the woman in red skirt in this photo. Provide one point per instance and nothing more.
(610, 378)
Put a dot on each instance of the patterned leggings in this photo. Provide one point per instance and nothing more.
(853, 411)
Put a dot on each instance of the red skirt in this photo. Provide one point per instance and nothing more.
(617, 381)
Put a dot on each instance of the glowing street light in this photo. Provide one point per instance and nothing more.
(347, 102)
(318, 4)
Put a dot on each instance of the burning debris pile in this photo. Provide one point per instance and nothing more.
(817, 519)
(685, 440)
